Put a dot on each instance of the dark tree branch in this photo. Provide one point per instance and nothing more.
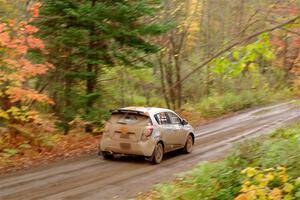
(228, 48)
(290, 31)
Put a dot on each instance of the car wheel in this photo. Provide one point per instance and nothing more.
(188, 147)
(158, 153)
(107, 156)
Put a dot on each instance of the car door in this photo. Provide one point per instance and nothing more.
(179, 131)
(166, 129)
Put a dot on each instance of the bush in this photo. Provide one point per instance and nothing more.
(270, 183)
(215, 106)
(223, 180)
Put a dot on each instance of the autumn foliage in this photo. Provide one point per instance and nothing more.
(267, 184)
(17, 38)
(37, 145)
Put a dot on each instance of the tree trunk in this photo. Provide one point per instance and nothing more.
(91, 78)
(169, 78)
(178, 80)
(162, 80)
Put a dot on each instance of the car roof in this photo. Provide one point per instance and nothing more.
(150, 110)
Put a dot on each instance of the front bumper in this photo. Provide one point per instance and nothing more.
(143, 148)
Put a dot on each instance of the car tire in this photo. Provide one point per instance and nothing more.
(107, 156)
(188, 147)
(158, 153)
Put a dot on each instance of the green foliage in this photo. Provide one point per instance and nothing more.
(244, 58)
(86, 39)
(131, 86)
(218, 105)
(222, 180)
(10, 151)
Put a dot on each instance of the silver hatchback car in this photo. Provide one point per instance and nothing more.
(148, 132)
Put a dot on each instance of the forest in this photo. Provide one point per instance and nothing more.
(80, 59)
(65, 63)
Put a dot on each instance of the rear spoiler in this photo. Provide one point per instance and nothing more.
(116, 111)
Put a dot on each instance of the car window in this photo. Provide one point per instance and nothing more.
(128, 118)
(174, 118)
(162, 118)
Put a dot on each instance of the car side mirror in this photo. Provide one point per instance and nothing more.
(184, 122)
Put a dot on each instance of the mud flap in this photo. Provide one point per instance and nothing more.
(149, 158)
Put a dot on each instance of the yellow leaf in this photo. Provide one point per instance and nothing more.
(244, 171)
(281, 168)
(288, 197)
(258, 177)
(247, 183)
(288, 187)
(283, 178)
(270, 177)
(251, 172)
(252, 67)
(245, 188)
(261, 192)
(263, 183)
(3, 114)
(269, 169)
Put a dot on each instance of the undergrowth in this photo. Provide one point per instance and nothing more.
(276, 154)
(217, 105)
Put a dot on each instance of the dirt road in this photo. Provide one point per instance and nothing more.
(92, 178)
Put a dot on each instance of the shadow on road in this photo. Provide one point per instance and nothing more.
(141, 159)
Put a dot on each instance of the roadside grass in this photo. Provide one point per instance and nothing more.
(218, 105)
(272, 162)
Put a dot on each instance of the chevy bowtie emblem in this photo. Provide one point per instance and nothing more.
(124, 129)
